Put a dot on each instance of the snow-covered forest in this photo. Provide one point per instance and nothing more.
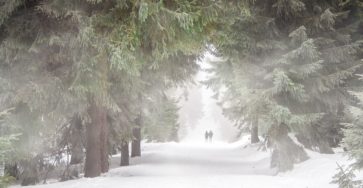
(181, 93)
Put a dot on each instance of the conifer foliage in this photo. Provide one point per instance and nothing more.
(93, 75)
(163, 125)
(289, 68)
(353, 141)
(96, 59)
(346, 178)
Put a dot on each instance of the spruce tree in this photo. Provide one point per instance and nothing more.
(292, 68)
(77, 50)
(345, 178)
(162, 122)
(353, 140)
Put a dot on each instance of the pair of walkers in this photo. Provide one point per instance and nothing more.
(208, 136)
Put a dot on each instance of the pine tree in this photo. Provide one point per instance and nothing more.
(345, 178)
(292, 68)
(353, 141)
(6, 149)
(162, 122)
(77, 50)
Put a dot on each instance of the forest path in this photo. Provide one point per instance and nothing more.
(208, 165)
(201, 159)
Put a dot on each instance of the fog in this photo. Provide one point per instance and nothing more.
(199, 111)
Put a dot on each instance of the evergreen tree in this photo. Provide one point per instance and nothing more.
(346, 178)
(162, 122)
(291, 69)
(6, 149)
(77, 50)
(353, 140)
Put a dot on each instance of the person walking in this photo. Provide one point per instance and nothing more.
(210, 135)
(206, 136)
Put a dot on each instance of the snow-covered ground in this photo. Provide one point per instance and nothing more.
(210, 165)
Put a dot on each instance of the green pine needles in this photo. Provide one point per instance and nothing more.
(346, 178)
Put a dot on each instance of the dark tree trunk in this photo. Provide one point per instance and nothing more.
(104, 146)
(77, 154)
(125, 154)
(30, 175)
(254, 131)
(113, 149)
(96, 150)
(136, 142)
(136, 133)
(286, 153)
(12, 170)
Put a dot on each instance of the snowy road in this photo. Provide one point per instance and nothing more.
(196, 160)
(215, 165)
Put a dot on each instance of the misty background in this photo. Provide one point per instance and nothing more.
(199, 110)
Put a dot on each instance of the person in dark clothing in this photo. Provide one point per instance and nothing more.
(210, 135)
(206, 135)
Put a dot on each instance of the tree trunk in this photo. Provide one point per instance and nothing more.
(254, 131)
(77, 154)
(113, 149)
(136, 142)
(286, 152)
(96, 150)
(125, 154)
(104, 147)
(30, 174)
(12, 170)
